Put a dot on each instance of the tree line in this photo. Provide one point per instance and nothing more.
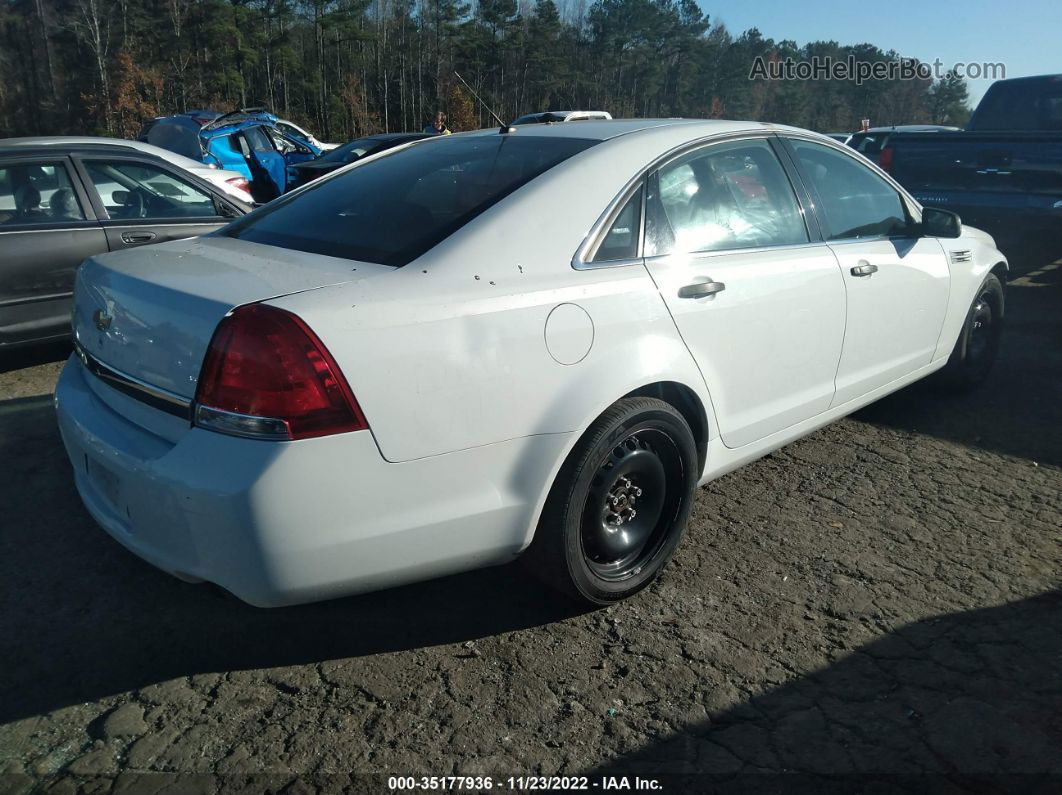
(345, 68)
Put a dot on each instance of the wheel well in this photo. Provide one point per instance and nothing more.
(689, 405)
(1000, 269)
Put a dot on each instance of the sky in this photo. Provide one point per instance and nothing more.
(1025, 35)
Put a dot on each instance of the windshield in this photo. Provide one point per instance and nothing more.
(393, 209)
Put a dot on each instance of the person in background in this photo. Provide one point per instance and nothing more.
(438, 125)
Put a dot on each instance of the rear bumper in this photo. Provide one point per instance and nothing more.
(283, 523)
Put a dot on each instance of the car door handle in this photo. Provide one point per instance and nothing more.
(864, 269)
(138, 237)
(701, 289)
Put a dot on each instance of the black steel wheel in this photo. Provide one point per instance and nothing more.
(619, 506)
(978, 344)
(629, 507)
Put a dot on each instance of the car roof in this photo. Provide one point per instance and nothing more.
(1049, 78)
(909, 128)
(81, 142)
(604, 129)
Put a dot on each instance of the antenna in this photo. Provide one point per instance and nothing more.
(504, 127)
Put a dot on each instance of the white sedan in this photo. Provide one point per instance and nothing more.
(535, 341)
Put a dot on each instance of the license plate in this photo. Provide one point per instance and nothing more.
(105, 481)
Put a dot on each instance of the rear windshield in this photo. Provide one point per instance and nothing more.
(392, 210)
(868, 143)
(1032, 105)
(348, 153)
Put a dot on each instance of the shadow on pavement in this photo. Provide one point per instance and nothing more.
(969, 701)
(83, 618)
(1018, 411)
(33, 355)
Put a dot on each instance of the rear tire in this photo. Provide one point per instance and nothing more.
(619, 506)
(978, 344)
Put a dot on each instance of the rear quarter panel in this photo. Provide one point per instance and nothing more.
(451, 351)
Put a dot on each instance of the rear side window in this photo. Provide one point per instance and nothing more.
(725, 196)
(37, 193)
(393, 209)
(621, 240)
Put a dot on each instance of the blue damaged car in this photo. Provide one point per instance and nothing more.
(246, 140)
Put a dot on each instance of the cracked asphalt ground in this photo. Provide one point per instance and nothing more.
(879, 601)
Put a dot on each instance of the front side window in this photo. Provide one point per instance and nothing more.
(37, 193)
(726, 196)
(285, 145)
(856, 202)
(287, 129)
(139, 190)
(621, 239)
(393, 209)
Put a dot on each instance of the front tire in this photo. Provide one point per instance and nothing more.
(619, 506)
(978, 345)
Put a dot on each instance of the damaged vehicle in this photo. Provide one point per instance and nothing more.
(248, 141)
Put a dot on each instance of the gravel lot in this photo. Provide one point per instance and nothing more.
(881, 599)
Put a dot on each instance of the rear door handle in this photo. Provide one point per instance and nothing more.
(138, 237)
(864, 269)
(701, 289)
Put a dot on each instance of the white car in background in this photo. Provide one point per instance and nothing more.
(534, 342)
(231, 182)
(558, 116)
(291, 128)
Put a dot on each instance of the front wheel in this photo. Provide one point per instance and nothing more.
(978, 344)
(619, 505)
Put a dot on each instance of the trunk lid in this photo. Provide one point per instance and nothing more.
(150, 312)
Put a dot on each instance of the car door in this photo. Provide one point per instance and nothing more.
(896, 282)
(294, 151)
(47, 227)
(268, 166)
(144, 201)
(759, 302)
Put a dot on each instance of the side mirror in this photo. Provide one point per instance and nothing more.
(224, 210)
(940, 223)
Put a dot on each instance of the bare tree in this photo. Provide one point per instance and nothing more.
(91, 23)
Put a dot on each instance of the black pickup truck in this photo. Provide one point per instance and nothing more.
(1003, 173)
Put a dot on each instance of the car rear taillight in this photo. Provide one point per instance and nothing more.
(885, 159)
(267, 376)
(240, 184)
